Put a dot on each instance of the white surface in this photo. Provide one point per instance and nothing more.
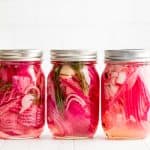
(47, 143)
(89, 24)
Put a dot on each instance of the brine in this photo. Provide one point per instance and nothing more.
(126, 100)
(73, 100)
(22, 95)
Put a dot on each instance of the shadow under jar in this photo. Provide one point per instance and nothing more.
(21, 94)
(126, 94)
(73, 94)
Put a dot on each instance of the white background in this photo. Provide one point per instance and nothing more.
(77, 24)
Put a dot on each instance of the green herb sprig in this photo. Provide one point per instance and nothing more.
(58, 92)
(78, 66)
(59, 95)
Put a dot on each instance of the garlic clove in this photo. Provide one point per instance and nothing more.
(66, 71)
(26, 102)
(121, 78)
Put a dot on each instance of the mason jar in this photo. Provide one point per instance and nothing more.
(126, 94)
(21, 94)
(73, 94)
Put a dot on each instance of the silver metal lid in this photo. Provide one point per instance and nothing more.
(21, 55)
(127, 55)
(73, 55)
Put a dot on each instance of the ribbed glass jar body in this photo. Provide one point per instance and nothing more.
(125, 96)
(73, 100)
(22, 95)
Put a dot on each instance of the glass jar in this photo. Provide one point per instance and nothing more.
(126, 94)
(21, 94)
(73, 94)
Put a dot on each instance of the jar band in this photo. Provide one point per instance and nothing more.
(127, 55)
(73, 55)
(21, 55)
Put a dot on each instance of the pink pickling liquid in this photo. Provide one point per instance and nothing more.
(79, 118)
(21, 100)
(126, 100)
